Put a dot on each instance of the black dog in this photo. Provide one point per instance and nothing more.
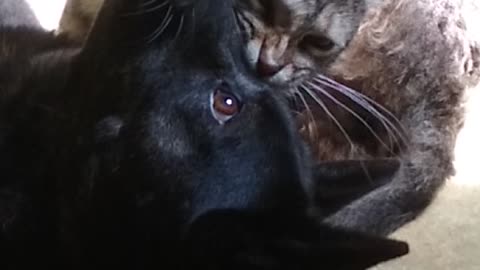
(154, 147)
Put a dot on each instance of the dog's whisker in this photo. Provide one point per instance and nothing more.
(147, 3)
(144, 10)
(166, 21)
(180, 27)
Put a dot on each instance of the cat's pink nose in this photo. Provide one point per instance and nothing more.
(265, 69)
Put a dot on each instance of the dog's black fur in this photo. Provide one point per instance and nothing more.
(110, 156)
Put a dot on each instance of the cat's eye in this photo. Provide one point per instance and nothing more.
(224, 105)
(321, 43)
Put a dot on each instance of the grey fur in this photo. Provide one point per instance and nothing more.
(416, 57)
(17, 12)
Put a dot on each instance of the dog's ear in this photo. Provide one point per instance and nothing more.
(336, 183)
(233, 239)
(126, 27)
(345, 250)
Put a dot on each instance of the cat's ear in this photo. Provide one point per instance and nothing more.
(336, 183)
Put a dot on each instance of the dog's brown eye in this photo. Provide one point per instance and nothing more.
(224, 105)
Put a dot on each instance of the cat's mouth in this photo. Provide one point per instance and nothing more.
(290, 77)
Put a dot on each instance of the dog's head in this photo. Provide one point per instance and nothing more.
(180, 128)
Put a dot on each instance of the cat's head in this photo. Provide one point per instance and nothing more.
(289, 40)
(181, 127)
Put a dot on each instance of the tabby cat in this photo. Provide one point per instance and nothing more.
(408, 103)
(154, 146)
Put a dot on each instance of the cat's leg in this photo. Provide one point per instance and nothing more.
(424, 89)
(338, 183)
(424, 170)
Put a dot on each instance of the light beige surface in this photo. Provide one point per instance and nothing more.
(447, 235)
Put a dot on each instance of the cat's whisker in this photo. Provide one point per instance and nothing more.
(394, 135)
(353, 113)
(361, 99)
(144, 10)
(294, 99)
(353, 149)
(312, 124)
(166, 21)
(330, 115)
(395, 130)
